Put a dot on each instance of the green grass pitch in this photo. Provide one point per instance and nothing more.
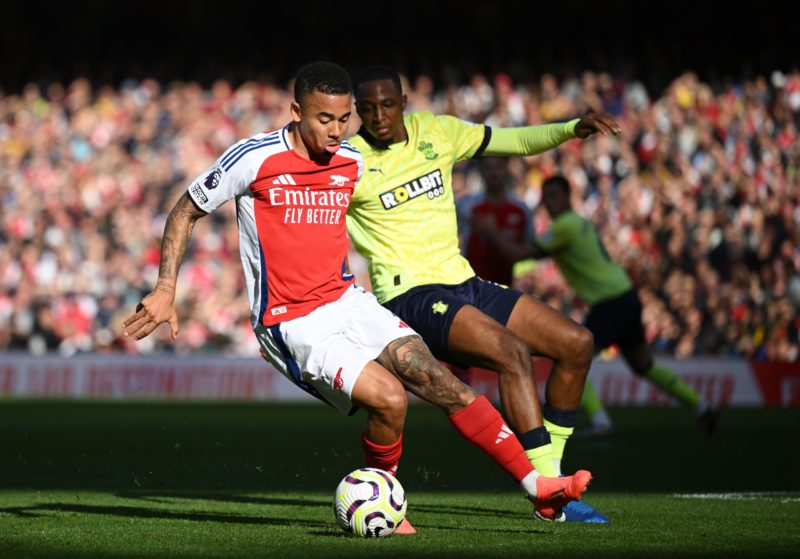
(91, 480)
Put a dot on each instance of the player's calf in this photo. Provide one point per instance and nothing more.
(422, 375)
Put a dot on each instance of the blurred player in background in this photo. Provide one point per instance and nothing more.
(616, 311)
(402, 219)
(510, 215)
(327, 335)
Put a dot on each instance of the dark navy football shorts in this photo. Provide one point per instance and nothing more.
(617, 321)
(430, 309)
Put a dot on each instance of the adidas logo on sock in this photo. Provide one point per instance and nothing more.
(504, 433)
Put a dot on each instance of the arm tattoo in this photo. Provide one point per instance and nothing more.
(412, 362)
(177, 233)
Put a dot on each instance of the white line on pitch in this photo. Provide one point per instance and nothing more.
(783, 497)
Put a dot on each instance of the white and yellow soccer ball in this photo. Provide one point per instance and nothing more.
(369, 503)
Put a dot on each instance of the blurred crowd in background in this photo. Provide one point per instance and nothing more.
(699, 199)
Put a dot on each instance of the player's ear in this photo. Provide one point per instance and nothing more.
(296, 111)
(405, 101)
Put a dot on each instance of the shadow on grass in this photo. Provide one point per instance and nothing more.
(426, 527)
(139, 512)
(162, 497)
(316, 528)
(209, 447)
(166, 497)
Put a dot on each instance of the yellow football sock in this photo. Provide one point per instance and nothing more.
(542, 459)
(558, 438)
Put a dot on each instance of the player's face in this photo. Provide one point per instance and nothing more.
(321, 120)
(380, 105)
(555, 199)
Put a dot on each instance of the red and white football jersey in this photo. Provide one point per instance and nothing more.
(513, 220)
(291, 215)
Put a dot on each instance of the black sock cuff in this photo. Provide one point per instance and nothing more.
(562, 418)
(534, 438)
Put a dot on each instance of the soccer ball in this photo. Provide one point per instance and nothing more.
(369, 503)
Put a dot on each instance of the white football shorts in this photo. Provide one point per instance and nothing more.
(324, 351)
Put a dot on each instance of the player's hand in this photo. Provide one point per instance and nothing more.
(155, 309)
(596, 122)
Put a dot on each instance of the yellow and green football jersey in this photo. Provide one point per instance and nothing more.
(402, 217)
(573, 243)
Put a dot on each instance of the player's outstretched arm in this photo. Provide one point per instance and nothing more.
(158, 306)
(596, 122)
(532, 140)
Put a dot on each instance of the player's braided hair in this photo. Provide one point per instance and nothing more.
(325, 77)
(378, 72)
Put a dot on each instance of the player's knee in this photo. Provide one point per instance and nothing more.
(584, 347)
(641, 369)
(393, 402)
(578, 349)
(514, 356)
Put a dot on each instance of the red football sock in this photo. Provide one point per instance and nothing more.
(481, 424)
(385, 457)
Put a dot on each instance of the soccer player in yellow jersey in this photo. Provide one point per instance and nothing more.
(402, 218)
(615, 315)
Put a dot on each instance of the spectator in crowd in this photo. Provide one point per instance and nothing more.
(699, 200)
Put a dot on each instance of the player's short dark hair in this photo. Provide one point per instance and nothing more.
(559, 181)
(325, 77)
(378, 72)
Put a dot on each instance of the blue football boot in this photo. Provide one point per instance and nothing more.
(579, 511)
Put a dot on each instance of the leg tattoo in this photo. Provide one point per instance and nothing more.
(411, 361)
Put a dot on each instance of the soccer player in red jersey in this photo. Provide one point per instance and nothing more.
(292, 189)
(509, 215)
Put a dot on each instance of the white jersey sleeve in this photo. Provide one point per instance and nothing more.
(232, 174)
(350, 151)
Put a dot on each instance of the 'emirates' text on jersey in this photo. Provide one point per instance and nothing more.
(402, 218)
(291, 215)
